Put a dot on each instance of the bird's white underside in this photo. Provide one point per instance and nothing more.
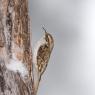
(35, 53)
(36, 48)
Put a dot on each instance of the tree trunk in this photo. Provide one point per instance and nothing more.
(15, 41)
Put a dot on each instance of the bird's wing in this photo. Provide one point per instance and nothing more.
(43, 55)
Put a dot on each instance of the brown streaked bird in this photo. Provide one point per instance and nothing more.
(41, 55)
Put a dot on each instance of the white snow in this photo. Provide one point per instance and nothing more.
(17, 66)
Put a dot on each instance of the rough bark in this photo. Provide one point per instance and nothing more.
(14, 34)
(11, 83)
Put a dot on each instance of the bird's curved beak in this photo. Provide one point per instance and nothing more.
(44, 30)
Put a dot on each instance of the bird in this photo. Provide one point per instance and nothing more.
(41, 55)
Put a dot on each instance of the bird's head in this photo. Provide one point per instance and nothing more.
(49, 39)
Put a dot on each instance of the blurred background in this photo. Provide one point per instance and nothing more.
(71, 69)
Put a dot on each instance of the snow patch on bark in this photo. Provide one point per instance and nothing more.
(17, 66)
